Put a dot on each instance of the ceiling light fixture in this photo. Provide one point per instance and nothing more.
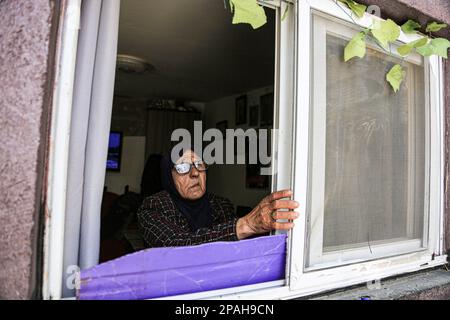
(133, 65)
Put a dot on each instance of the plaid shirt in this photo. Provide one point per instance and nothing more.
(162, 225)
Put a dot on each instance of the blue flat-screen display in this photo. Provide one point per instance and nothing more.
(114, 151)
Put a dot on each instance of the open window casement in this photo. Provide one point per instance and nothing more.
(369, 166)
(282, 141)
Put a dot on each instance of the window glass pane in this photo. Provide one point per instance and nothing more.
(373, 163)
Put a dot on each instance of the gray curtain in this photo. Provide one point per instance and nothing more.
(161, 124)
(91, 116)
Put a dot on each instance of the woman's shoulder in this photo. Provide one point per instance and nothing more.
(214, 198)
(222, 207)
(157, 199)
(163, 198)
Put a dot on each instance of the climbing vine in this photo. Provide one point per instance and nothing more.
(382, 32)
(386, 32)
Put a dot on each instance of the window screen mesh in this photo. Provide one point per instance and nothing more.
(374, 153)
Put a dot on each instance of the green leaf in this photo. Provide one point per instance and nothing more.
(435, 27)
(248, 11)
(438, 46)
(441, 46)
(406, 49)
(357, 8)
(395, 77)
(285, 12)
(386, 31)
(356, 47)
(410, 26)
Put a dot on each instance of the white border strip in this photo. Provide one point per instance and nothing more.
(376, 270)
(301, 135)
(226, 292)
(59, 152)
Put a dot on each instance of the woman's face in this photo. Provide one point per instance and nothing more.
(192, 185)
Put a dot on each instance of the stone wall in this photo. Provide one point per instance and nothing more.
(25, 33)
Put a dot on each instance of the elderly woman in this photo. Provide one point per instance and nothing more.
(185, 214)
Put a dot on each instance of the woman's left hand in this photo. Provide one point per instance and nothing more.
(263, 217)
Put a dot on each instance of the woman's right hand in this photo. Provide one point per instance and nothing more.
(263, 217)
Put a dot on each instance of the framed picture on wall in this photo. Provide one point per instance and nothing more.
(241, 110)
(266, 102)
(254, 116)
(222, 126)
(253, 177)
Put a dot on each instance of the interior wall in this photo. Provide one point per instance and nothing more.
(130, 117)
(131, 168)
(229, 180)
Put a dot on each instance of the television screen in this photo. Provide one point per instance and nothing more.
(114, 151)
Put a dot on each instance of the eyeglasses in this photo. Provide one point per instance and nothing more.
(184, 167)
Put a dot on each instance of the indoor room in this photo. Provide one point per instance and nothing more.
(201, 68)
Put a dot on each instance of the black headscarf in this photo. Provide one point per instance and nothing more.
(197, 212)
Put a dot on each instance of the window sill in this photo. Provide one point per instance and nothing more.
(423, 285)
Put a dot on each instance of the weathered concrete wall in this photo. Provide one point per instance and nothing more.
(424, 11)
(25, 31)
(437, 293)
(436, 9)
(421, 285)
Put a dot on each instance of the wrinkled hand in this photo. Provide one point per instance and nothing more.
(263, 217)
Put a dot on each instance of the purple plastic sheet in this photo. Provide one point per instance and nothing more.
(160, 272)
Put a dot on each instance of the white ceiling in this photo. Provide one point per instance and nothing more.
(196, 50)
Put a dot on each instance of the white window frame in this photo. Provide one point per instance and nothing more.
(282, 143)
(304, 283)
(53, 247)
(291, 147)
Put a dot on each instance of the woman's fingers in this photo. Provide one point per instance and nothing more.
(290, 215)
(276, 195)
(263, 217)
(283, 204)
(280, 194)
(282, 225)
